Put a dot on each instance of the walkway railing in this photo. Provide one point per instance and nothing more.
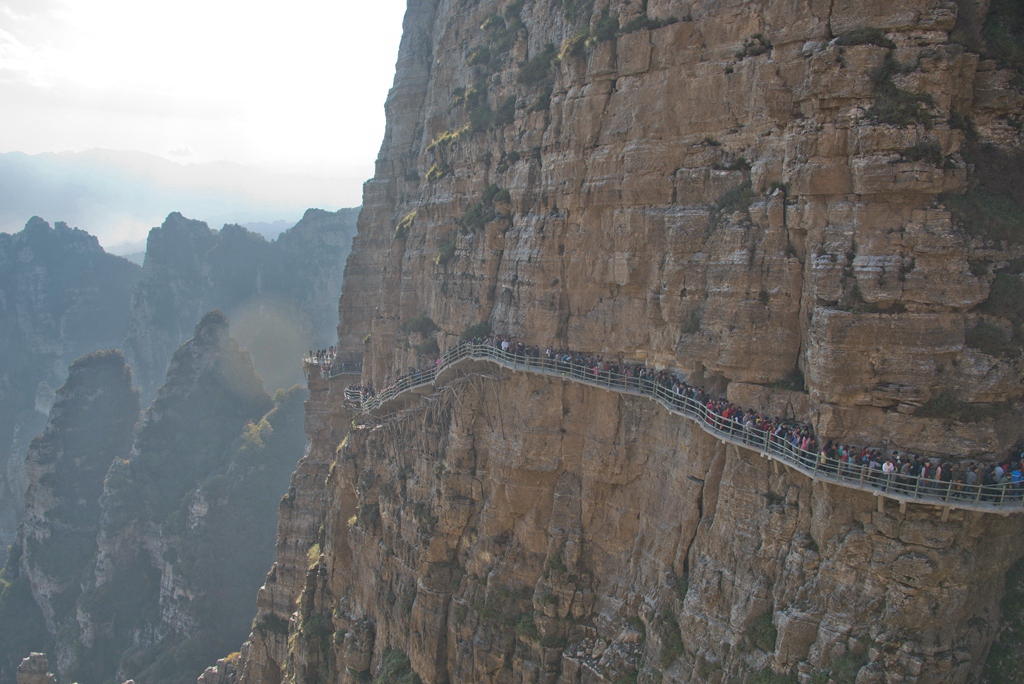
(1005, 498)
(336, 368)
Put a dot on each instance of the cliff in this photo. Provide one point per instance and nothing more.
(90, 424)
(805, 207)
(61, 296)
(279, 295)
(730, 195)
(144, 540)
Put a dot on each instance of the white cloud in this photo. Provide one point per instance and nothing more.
(300, 84)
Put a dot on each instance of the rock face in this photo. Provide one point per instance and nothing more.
(519, 528)
(141, 552)
(33, 670)
(731, 194)
(61, 296)
(279, 295)
(90, 425)
(792, 203)
(174, 544)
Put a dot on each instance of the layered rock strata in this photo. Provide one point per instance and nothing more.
(522, 528)
(796, 205)
(61, 297)
(730, 194)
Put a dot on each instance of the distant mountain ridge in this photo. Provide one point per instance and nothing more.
(280, 295)
(62, 296)
(117, 195)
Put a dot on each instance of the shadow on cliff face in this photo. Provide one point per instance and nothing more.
(275, 333)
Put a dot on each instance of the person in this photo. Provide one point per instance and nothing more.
(888, 468)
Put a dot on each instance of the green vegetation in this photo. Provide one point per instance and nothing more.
(896, 106)
(437, 172)
(441, 148)
(556, 563)
(396, 669)
(445, 252)
(511, 158)
(403, 227)
(691, 324)
(574, 46)
(1005, 299)
(605, 28)
(504, 605)
(538, 67)
(735, 200)
(988, 215)
(449, 138)
(865, 36)
(929, 152)
(476, 218)
(482, 329)
(671, 640)
(842, 670)
(313, 555)
(428, 348)
(474, 101)
(948, 407)
(526, 627)
(992, 340)
(268, 623)
(643, 22)
(1004, 664)
(1003, 34)
(422, 324)
(762, 632)
(542, 103)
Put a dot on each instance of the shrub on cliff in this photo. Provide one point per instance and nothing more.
(538, 67)
(606, 27)
(396, 669)
(574, 46)
(403, 227)
(482, 329)
(1003, 33)
(894, 105)
(986, 214)
(865, 36)
(422, 324)
(445, 252)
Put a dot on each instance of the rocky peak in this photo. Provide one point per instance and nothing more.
(63, 297)
(34, 670)
(90, 425)
(281, 294)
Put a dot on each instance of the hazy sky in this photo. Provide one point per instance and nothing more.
(294, 86)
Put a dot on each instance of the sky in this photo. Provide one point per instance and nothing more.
(295, 88)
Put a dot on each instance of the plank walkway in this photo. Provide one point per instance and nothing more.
(1003, 499)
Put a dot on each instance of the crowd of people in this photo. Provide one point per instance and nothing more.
(885, 469)
(329, 364)
(323, 357)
